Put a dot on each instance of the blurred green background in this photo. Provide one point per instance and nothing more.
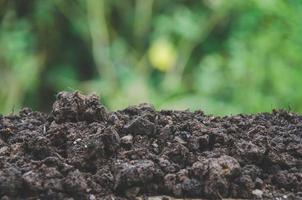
(221, 56)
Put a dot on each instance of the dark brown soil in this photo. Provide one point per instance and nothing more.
(82, 151)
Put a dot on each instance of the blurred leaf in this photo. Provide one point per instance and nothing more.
(221, 56)
(162, 55)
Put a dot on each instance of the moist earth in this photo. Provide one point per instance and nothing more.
(82, 151)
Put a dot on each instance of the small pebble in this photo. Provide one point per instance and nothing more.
(92, 197)
(257, 193)
(128, 139)
(155, 145)
(77, 140)
(44, 129)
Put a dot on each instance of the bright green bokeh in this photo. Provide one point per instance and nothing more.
(221, 56)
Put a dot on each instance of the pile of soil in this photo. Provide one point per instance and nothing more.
(82, 151)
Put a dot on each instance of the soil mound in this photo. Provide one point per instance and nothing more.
(82, 151)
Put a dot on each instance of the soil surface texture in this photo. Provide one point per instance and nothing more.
(82, 151)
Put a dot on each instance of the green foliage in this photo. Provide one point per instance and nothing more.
(220, 56)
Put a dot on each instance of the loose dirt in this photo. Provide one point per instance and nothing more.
(82, 151)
